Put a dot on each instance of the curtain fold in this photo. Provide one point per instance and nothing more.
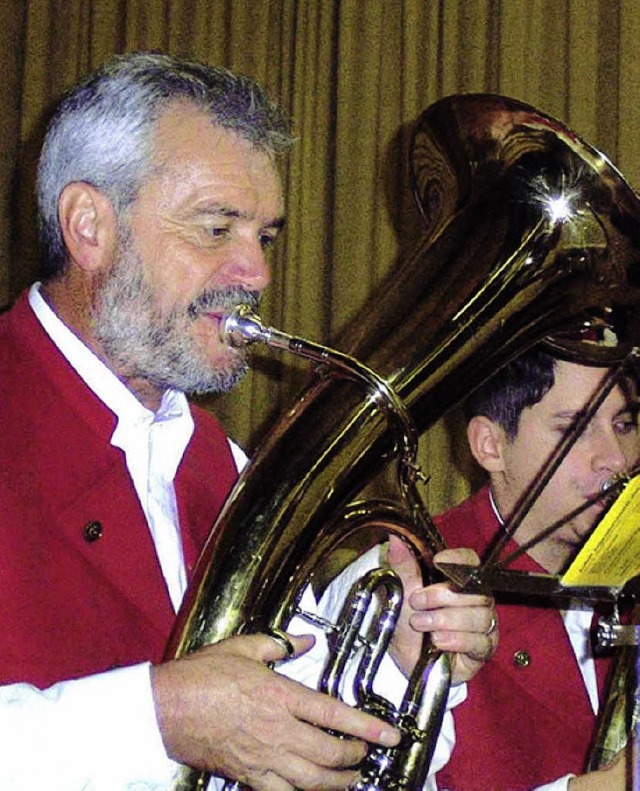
(353, 75)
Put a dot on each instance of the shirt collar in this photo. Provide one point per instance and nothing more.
(495, 508)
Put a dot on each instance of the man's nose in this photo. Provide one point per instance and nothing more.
(608, 453)
(247, 266)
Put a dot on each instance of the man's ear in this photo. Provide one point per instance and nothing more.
(88, 224)
(486, 441)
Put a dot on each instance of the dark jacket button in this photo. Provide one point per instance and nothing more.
(93, 531)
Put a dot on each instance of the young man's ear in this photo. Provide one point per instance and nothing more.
(486, 441)
(88, 224)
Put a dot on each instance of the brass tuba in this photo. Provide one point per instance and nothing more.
(529, 234)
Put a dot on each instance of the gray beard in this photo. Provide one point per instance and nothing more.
(141, 344)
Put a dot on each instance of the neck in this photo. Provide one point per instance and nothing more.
(549, 553)
(148, 394)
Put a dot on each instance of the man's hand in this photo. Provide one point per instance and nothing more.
(220, 709)
(461, 623)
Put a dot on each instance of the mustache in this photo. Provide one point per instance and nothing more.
(216, 299)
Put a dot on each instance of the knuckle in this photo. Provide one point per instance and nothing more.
(424, 622)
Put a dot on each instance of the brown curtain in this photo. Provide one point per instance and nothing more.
(353, 74)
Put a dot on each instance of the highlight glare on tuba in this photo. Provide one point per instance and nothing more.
(529, 234)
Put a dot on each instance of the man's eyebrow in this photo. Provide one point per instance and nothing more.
(277, 223)
(219, 210)
(632, 406)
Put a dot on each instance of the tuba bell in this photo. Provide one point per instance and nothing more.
(529, 234)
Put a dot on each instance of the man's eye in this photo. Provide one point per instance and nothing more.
(266, 239)
(218, 231)
(627, 425)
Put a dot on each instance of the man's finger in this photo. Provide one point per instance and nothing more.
(274, 646)
(327, 712)
(459, 555)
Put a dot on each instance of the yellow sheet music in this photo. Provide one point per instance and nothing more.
(611, 555)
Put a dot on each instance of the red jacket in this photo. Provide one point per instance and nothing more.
(70, 606)
(523, 724)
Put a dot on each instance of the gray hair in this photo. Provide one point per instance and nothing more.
(102, 130)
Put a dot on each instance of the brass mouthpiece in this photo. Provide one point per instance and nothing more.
(616, 483)
(242, 327)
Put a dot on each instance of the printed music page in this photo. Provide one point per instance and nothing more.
(611, 555)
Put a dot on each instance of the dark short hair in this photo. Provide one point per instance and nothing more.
(102, 130)
(520, 384)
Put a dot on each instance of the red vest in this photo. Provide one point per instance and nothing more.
(72, 604)
(527, 719)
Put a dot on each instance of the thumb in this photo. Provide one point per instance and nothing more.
(403, 562)
(279, 646)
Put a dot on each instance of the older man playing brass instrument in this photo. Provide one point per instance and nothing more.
(159, 197)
